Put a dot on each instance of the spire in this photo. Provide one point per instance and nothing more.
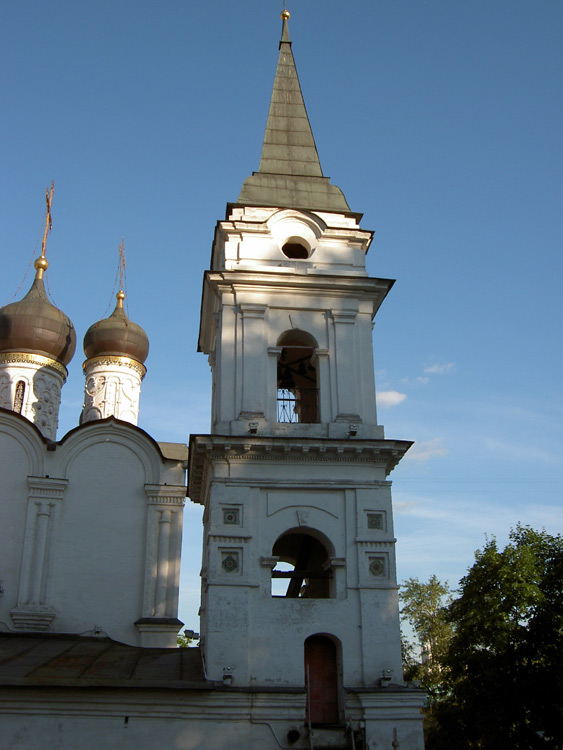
(290, 173)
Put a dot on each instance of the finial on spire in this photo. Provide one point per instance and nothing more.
(285, 15)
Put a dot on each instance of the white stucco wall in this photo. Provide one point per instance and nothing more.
(77, 521)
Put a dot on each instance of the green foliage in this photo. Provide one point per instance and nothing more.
(503, 670)
(183, 641)
(424, 608)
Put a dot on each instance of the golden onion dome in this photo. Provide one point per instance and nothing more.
(35, 326)
(116, 336)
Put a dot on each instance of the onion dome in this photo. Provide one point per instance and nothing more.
(35, 326)
(116, 336)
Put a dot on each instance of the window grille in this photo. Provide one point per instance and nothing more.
(298, 405)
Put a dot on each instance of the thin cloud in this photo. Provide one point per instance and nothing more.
(439, 369)
(426, 450)
(419, 380)
(386, 399)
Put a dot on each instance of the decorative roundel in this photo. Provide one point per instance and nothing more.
(377, 567)
(229, 563)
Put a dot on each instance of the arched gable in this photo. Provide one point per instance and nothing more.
(111, 430)
(27, 436)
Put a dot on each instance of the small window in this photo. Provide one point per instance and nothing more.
(303, 570)
(295, 251)
(19, 396)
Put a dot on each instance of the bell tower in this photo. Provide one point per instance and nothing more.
(299, 588)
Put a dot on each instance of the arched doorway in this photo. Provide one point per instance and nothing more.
(321, 676)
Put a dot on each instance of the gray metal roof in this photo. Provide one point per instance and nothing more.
(54, 660)
(290, 174)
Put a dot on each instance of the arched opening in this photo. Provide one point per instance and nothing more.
(321, 680)
(303, 570)
(298, 393)
(19, 396)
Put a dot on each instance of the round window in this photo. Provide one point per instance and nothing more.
(295, 251)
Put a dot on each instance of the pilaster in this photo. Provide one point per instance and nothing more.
(34, 610)
(159, 622)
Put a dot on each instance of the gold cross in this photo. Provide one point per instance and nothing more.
(121, 263)
(48, 220)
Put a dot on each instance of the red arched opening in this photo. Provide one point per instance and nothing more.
(321, 675)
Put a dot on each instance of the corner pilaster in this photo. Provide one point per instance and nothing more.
(34, 610)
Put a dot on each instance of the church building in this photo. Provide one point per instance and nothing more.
(300, 642)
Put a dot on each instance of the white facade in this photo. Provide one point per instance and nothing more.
(254, 294)
(192, 720)
(274, 486)
(90, 532)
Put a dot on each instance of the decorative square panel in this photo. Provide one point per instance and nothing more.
(377, 566)
(230, 561)
(231, 516)
(375, 521)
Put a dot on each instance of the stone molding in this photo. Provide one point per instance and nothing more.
(36, 619)
(165, 494)
(204, 448)
(23, 358)
(109, 359)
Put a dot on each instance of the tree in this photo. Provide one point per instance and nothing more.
(424, 608)
(186, 639)
(503, 672)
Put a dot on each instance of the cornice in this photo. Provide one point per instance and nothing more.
(38, 360)
(47, 487)
(204, 449)
(298, 283)
(112, 361)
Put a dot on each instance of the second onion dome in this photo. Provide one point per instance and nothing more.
(116, 336)
(116, 349)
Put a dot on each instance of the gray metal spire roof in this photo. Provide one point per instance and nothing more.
(290, 174)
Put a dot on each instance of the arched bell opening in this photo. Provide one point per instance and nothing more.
(297, 379)
(303, 570)
(323, 680)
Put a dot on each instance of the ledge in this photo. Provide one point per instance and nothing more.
(204, 448)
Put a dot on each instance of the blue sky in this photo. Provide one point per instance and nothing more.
(440, 119)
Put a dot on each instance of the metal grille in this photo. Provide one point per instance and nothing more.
(298, 405)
